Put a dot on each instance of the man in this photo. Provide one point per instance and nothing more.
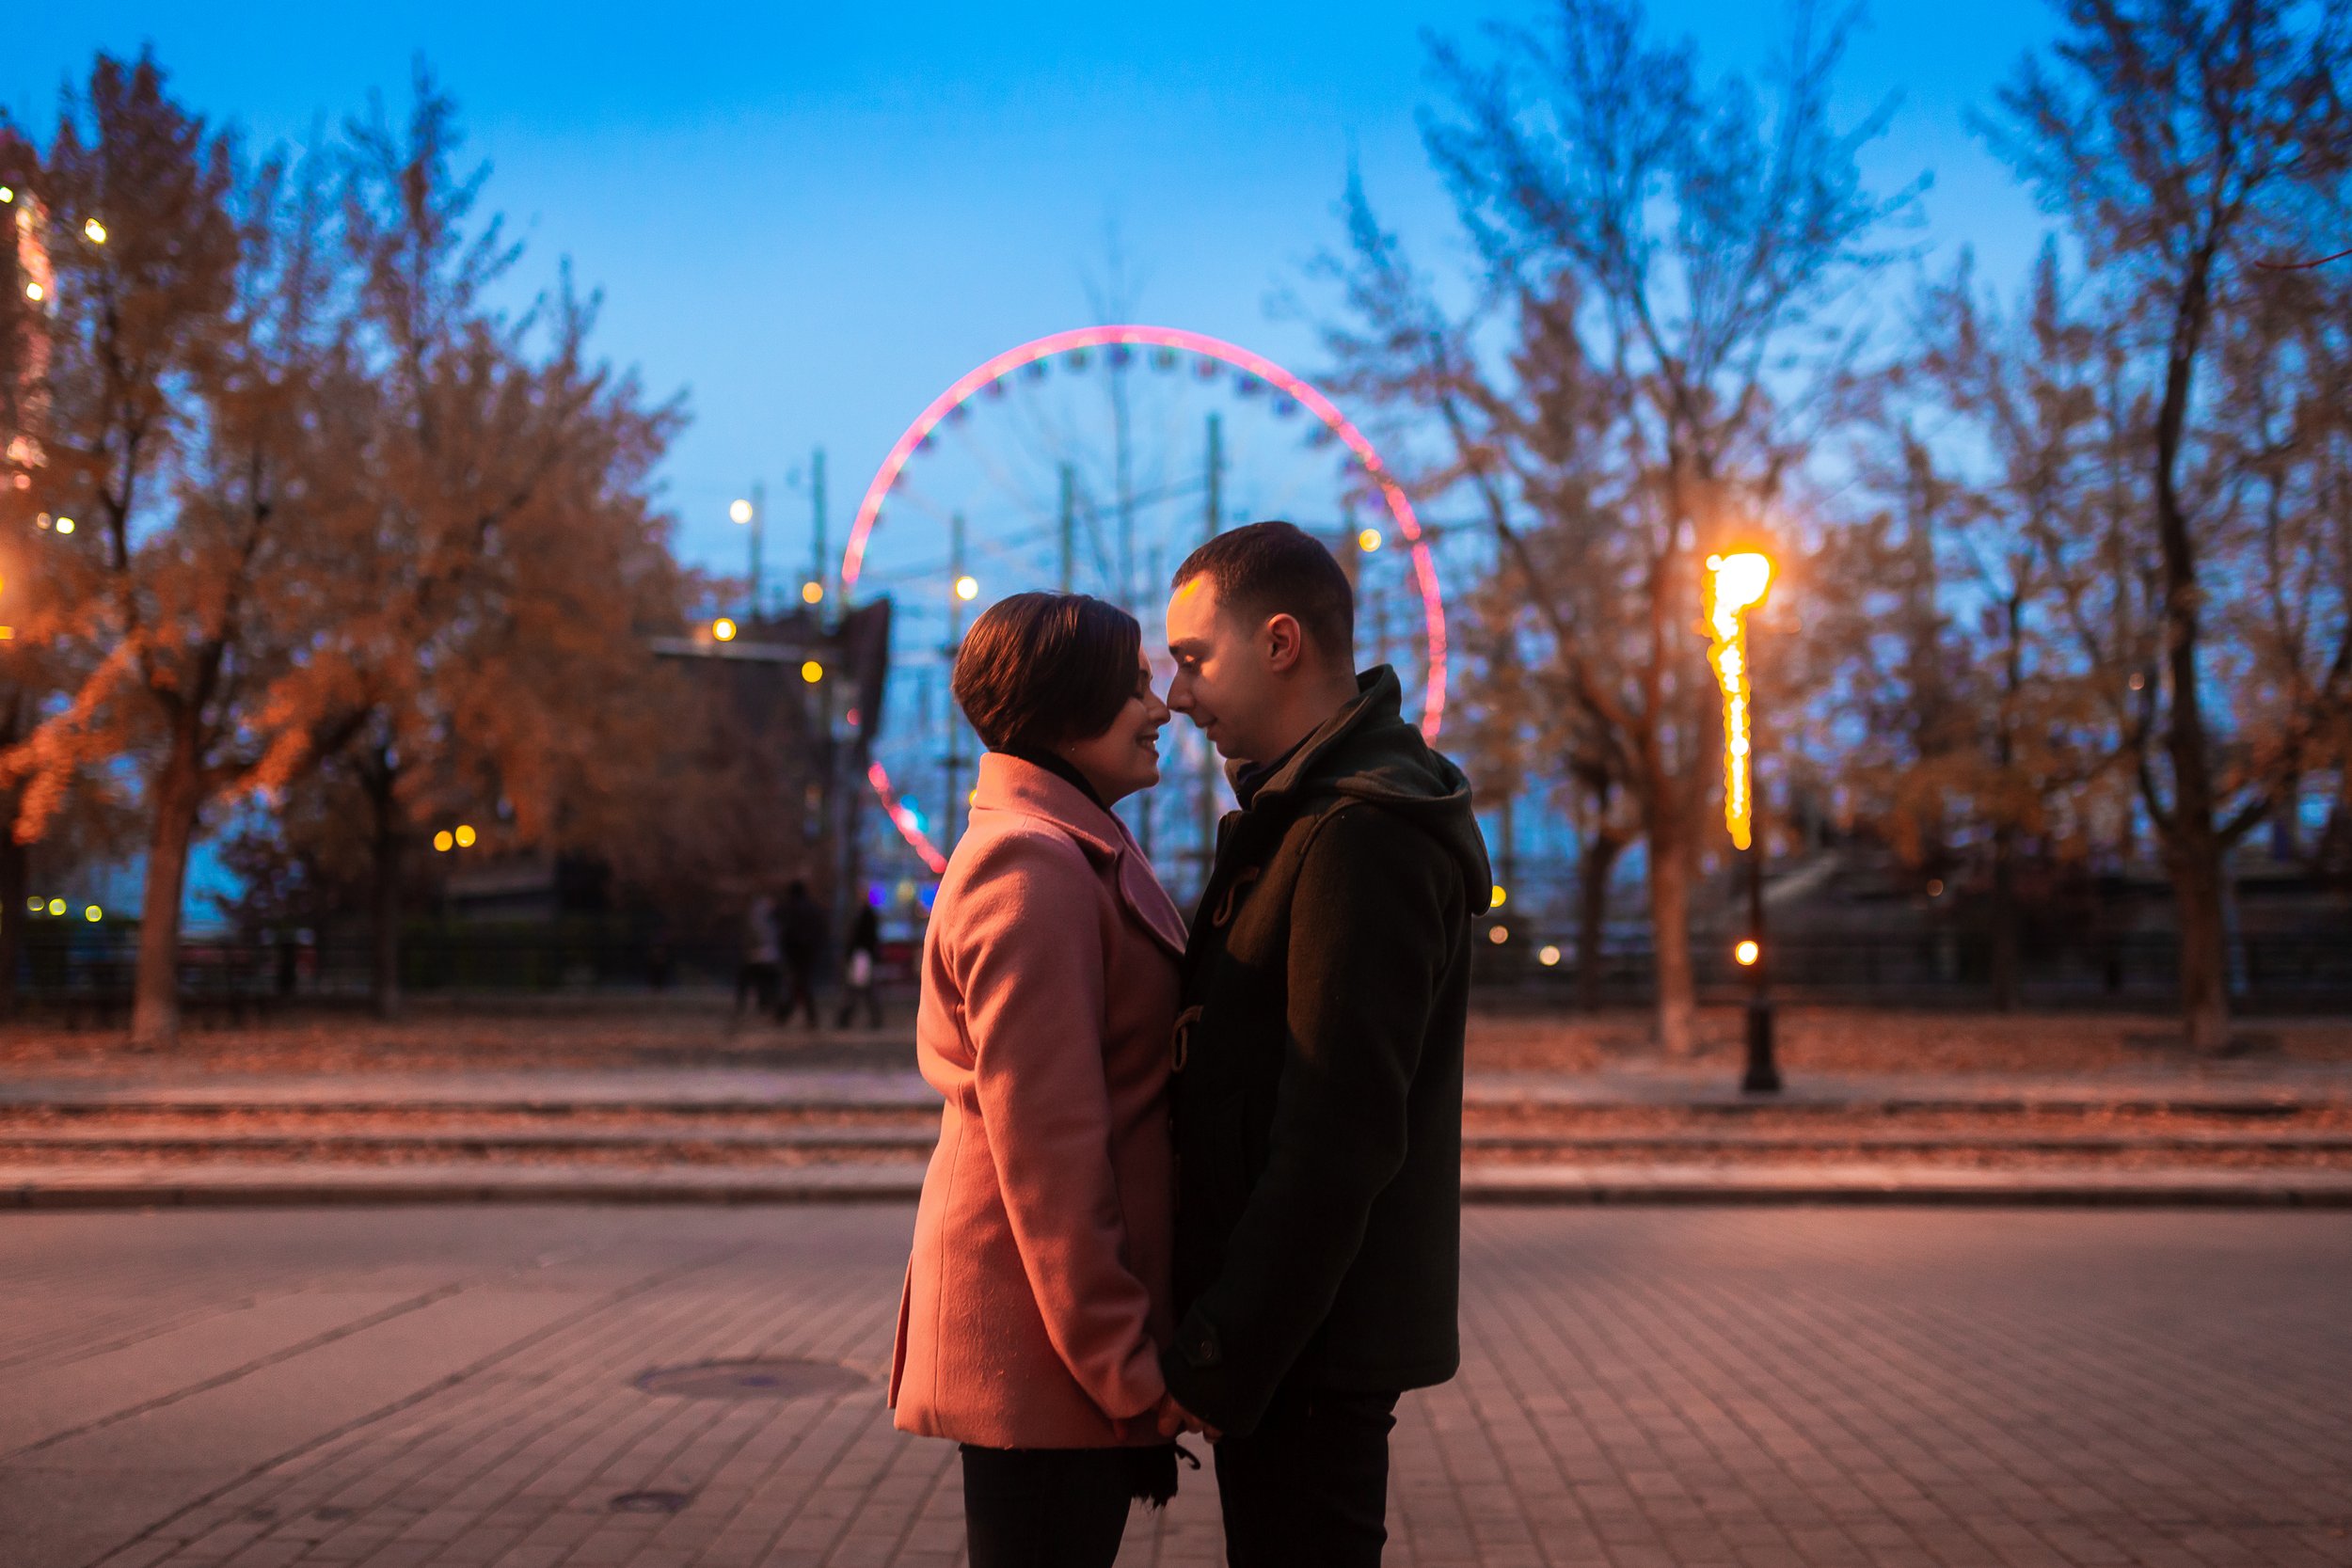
(1319, 1095)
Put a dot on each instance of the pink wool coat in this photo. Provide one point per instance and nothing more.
(1039, 1290)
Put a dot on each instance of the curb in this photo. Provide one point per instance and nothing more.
(26, 1188)
(1752, 1185)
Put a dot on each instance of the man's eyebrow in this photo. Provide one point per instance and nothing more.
(1188, 647)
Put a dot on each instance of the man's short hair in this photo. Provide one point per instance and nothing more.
(1040, 670)
(1277, 568)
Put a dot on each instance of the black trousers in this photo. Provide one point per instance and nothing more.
(1045, 1508)
(1309, 1487)
(799, 979)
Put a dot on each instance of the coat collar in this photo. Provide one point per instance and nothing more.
(1008, 783)
(1378, 696)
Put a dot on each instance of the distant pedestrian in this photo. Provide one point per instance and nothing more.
(756, 976)
(857, 968)
(802, 928)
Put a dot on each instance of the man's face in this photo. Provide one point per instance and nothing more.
(1225, 679)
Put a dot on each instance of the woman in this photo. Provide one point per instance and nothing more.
(1038, 1295)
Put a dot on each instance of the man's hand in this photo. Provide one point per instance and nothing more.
(1174, 1420)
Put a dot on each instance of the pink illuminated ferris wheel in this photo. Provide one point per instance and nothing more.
(1092, 459)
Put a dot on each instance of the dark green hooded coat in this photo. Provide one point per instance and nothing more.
(1319, 1090)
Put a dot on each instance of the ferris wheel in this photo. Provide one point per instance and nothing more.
(1092, 460)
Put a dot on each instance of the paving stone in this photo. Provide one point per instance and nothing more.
(1731, 1388)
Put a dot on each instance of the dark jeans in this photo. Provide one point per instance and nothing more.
(1309, 1488)
(850, 996)
(1044, 1508)
(755, 981)
(799, 978)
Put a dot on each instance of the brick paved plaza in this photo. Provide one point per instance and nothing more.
(458, 1386)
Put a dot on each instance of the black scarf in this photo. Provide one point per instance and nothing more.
(1060, 766)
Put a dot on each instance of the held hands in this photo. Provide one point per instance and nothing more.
(1174, 1420)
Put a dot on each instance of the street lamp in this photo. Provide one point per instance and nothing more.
(1734, 585)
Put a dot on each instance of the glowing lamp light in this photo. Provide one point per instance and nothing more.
(1747, 953)
(812, 593)
(65, 525)
(724, 629)
(8, 194)
(57, 905)
(93, 914)
(1499, 934)
(34, 292)
(812, 671)
(739, 510)
(1369, 541)
(33, 904)
(1549, 957)
(444, 841)
(967, 589)
(1497, 899)
(465, 836)
(96, 230)
(1734, 585)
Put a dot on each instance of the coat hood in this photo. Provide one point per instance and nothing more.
(1367, 751)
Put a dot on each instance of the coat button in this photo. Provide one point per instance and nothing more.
(1199, 1346)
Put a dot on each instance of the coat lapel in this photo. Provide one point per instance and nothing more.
(1008, 784)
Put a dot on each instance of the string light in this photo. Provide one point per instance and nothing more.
(740, 511)
(724, 629)
(1747, 952)
(1549, 957)
(65, 525)
(96, 230)
(812, 593)
(1734, 585)
(34, 292)
(967, 589)
(812, 671)
(465, 836)
(1369, 541)
(444, 841)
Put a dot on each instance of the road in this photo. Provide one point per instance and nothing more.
(1642, 1387)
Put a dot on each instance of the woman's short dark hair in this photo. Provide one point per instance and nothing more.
(1040, 670)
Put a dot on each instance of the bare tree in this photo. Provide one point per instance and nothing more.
(2183, 140)
(1665, 261)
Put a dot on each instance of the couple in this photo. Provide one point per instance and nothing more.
(1205, 1183)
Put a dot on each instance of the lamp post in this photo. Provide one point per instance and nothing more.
(1734, 585)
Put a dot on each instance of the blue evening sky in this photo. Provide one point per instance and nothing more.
(811, 220)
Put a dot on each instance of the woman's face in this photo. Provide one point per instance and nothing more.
(1125, 757)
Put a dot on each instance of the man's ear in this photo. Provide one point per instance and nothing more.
(1285, 643)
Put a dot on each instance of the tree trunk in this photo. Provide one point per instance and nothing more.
(155, 993)
(391, 831)
(2192, 843)
(2004, 920)
(14, 872)
(384, 986)
(1670, 939)
(1592, 915)
(2204, 938)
